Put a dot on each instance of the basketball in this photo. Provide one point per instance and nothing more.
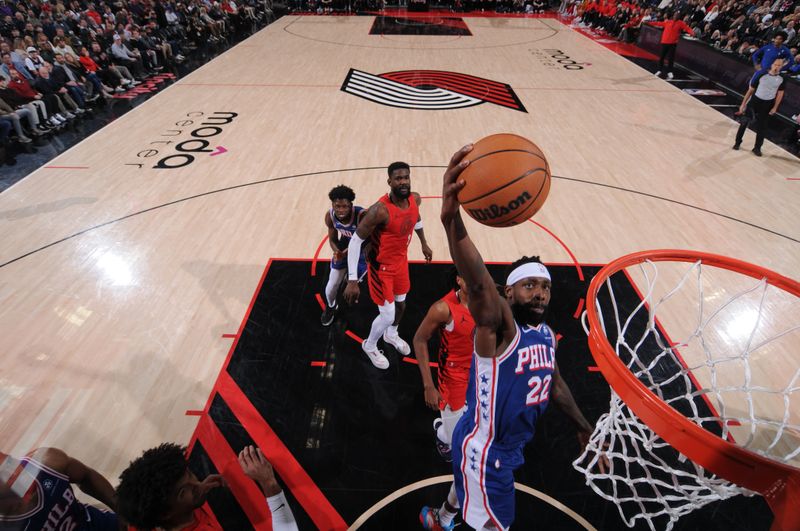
(507, 180)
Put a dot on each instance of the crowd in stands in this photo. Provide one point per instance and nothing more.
(61, 58)
(747, 28)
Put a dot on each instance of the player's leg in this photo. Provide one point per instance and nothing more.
(381, 292)
(337, 275)
(401, 286)
(444, 516)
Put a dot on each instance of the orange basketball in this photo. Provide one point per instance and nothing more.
(507, 180)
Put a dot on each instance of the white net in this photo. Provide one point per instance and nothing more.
(733, 371)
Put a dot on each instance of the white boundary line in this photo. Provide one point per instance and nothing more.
(448, 479)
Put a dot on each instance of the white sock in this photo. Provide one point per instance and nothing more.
(380, 324)
(392, 331)
(282, 517)
(446, 516)
(332, 287)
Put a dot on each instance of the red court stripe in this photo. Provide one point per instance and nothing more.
(318, 363)
(415, 362)
(351, 335)
(229, 335)
(316, 256)
(580, 308)
(231, 350)
(594, 368)
(296, 479)
(320, 301)
(244, 489)
(194, 413)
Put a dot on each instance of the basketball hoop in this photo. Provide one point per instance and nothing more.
(682, 432)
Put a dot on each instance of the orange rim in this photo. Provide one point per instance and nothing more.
(777, 482)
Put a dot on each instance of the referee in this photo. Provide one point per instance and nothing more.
(764, 95)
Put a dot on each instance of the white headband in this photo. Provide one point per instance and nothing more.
(530, 269)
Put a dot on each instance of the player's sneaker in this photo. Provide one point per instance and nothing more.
(429, 518)
(398, 343)
(445, 451)
(658, 73)
(375, 356)
(328, 315)
(669, 75)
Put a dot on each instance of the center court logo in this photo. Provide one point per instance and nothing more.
(433, 90)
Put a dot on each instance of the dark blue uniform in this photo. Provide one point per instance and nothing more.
(506, 396)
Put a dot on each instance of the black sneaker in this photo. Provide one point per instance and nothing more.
(328, 315)
(737, 145)
(757, 152)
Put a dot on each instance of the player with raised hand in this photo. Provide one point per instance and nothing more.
(513, 377)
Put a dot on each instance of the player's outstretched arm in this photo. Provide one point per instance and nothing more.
(438, 315)
(376, 216)
(485, 304)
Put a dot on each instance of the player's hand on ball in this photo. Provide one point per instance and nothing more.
(432, 398)
(451, 185)
(351, 292)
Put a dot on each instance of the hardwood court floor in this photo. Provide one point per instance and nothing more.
(118, 279)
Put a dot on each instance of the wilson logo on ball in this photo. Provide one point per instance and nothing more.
(432, 90)
(494, 211)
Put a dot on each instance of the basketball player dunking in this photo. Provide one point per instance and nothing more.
(513, 376)
(389, 225)
(341, 221)
(450, 316)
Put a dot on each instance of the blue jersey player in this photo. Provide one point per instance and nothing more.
(341, 221)
(513, 377)
(36, 493)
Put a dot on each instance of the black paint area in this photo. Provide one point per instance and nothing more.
(362, 433)
(419, 26)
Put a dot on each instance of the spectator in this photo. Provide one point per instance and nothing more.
(16, 116)
(669, 40)
(34, 62)
(37, 108)
(49, 87)
(66, 77)
(53, 105)
(766, 55)
(158, 490)
(127, 57)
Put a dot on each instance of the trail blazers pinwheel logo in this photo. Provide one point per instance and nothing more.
(429, 90)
